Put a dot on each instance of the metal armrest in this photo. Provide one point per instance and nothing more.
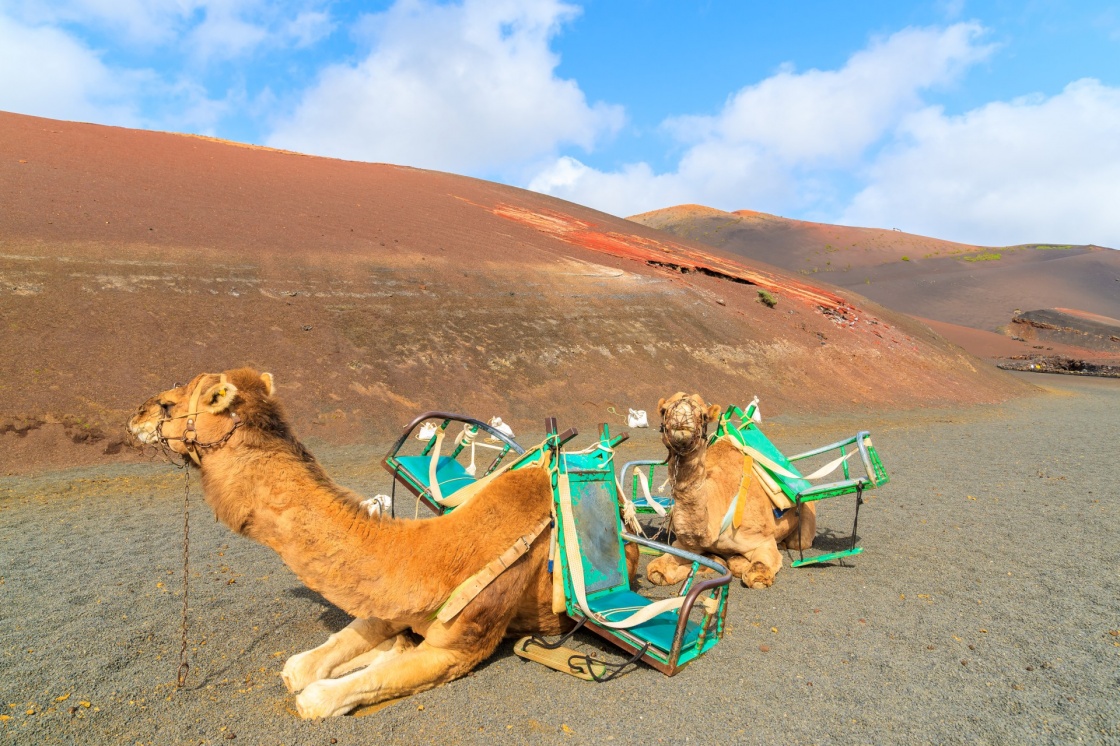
(435, 415)
(858, 439)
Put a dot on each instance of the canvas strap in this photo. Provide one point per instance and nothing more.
(466, 493)
(647, 496)
(475, 584)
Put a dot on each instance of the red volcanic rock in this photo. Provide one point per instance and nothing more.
(132, 259)
(959, 286)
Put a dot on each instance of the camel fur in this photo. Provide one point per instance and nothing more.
(391, 575)
(705, 479)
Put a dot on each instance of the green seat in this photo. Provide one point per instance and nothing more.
(451, 475)
(793, 487)
(659, 631)
(589, 528)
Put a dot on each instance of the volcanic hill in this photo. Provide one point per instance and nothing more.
(975, 296)
(132, 259)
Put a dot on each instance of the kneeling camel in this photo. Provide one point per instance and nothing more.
(391, 575)
(705, 479)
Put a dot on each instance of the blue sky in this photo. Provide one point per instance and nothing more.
(986, 122)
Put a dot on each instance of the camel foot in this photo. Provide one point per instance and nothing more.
(300, 670)
(319, 700)
(667, 570)
(758, 577)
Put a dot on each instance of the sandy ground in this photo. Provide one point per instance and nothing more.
(984, 610)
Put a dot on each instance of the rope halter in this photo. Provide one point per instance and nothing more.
(685, 415)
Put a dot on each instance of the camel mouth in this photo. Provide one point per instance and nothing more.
(145, 432)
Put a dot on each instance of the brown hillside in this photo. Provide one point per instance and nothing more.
(132, 259)
(957, 284)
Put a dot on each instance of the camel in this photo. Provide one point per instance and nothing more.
(705, 479)
(391, 575)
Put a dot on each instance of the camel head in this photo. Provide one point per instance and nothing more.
(684, 421)
(204, 413)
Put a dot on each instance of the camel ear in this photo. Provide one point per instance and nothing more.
(661, 406)
(269, 383)
(713, 413)
(218, 397)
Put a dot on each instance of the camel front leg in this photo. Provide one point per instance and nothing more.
(668, 569)
(359, 637)
(414, 670)
(799, 535)
(765, 561)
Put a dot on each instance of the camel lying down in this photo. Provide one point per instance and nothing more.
(704, 481)
(392, 575)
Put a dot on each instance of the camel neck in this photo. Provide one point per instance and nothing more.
(286, 502)
(687, 469)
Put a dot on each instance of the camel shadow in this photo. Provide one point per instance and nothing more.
(331, 616)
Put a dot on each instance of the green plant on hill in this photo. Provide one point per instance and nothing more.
(987, 256)
(905, 258)
(766, 299)
(1052, 247)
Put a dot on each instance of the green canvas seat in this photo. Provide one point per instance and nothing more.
(659, 631)
(597, 591)
(451, 475)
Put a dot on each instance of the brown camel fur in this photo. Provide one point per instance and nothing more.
(392, 575)
(705, 480)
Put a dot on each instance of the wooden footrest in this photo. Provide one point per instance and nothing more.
(557, 659)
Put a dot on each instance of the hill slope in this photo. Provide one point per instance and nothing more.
(962, 285)
(132, 259)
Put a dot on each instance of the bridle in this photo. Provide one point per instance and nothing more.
(681, 415)
(189, 438)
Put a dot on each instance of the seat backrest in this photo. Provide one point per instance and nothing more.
(597, 520)
(598, 532)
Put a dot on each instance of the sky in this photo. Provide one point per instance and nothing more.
(983, 121)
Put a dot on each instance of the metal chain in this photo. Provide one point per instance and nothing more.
(184, 667)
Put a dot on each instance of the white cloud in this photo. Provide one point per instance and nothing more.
(224, 35)
(309, 27)
(46, 72)
(766, 147)
(465, 87)
(1035, 169)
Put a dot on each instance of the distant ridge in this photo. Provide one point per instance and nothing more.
(961, 286)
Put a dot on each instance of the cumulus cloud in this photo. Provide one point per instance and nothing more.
(47, 72)
(467, 87)
(767, 145)
(1034, 169)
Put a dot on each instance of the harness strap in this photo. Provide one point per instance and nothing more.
(733, 518)
(647, 496)
(475, 584)
(780, 470)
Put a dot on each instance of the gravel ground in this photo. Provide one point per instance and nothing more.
(984, 609)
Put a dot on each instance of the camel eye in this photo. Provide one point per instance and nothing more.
(165, 407)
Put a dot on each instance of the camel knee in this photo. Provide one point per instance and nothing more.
(415, 670)
(354, 640)
(738, 565)
(765, 563)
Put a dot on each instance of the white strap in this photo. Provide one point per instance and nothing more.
(648, 497)
(433, 483)
(575, 570)
(781, 470)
